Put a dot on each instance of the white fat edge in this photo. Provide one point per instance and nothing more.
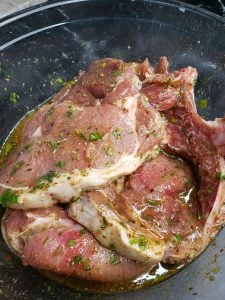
(5, 186)
(37, 199)
(115, 235)
(49, 222)
(160, 124)
(215, 123)
(211, 228)
(151, 154)
(64, 94)
(99, 177)
(37, 133)
(69, 185)
(11, 239)
(130, 105)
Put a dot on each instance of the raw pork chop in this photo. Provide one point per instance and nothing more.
(48, 240)
(189, 136)
(202, 142)
(72, 144)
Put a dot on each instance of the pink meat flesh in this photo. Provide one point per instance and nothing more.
(65, 247)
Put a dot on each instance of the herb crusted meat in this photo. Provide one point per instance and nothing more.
(115, 174)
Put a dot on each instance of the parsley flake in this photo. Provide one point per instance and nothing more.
(154, 202)
(117, 72)
(16, 167)
(95, 136)
(14, 97)
(8, 197)
(61, 164)
(109, 151)
(71, 243)
(203, 103)
(140, 241)
(116, 133)
(54, 145)
(220, 176)
(114, 259)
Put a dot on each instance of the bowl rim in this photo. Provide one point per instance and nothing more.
(46, 5)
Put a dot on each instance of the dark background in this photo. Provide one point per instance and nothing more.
(216, 6)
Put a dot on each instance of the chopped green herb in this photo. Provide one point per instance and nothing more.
(8, 147)
(75, 199)
(77, 259)
(80, 134)
(211, 278)
(13, 98)
(54, 145)
(209, 190)
(174, 120)
(104, 223)
(70, 112)
(7, 198)
(60, 81)
(86, 265)
(95, 136)
(122, 224)
(215, 270)
(154, 202)
(71, 243)
(61, 164)
(49, 113)
(203, 103)
(140, 241)
(48, 177)
(178, 238)
(73, 82)
(83, 172)
(117, 72)
(114, 259)
(40, 185)
(116, 133)
(16, 167)
(109, 151)
(220, 176)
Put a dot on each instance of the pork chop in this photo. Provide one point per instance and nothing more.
(48, 240)
(67, 147)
